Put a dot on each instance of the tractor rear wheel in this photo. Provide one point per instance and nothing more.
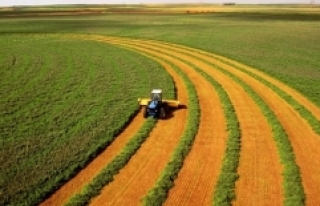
(163, 113)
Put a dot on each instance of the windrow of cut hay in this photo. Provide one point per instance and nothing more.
(106, 175)
(306, 109)
(241, 101)
(299, 134)
(291, 193)
(204, 88)
(297, 129)
(143, 171)
(158, 193)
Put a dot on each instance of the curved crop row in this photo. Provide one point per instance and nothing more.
(160, 191)
(254, 99)
(294, 192)
(293, 189)
(106, 175)
(158, 194)
(303, 111)
(305, 108)
(141, 173)
(241, 109)
(298, 137)
(224, 192)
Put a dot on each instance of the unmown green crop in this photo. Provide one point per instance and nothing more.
(62, 102)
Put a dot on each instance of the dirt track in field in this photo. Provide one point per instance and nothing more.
(260, 171)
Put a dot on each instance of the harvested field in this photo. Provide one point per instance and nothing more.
(256, 133)
(260, 168)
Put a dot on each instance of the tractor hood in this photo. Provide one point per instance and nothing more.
(153, 105)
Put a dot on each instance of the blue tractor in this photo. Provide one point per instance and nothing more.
(155, 106)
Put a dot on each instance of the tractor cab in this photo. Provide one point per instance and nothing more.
(156, 95)
(154, 106)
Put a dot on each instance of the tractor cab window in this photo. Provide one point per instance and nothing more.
(156, 97)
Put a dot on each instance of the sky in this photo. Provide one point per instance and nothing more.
(48, 2)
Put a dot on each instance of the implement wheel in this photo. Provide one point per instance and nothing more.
(145, 113)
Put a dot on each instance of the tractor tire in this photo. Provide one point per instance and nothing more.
(163, 113)
(145, 113)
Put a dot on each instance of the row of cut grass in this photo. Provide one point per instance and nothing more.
(224, 191)
(302, 110)
(105, 176)
(157, 195)
(293, 189)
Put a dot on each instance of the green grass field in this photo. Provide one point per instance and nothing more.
(61, 102)
(59, 94)
(285, 45)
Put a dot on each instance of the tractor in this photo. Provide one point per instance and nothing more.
(155, 106)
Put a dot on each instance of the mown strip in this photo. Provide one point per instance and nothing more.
(224, 192)
(93, 188)
(293, 189)
(302, 110)
(305, 113)
(292, 183)
(157, 195)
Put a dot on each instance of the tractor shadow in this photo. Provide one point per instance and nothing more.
(172, 111)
